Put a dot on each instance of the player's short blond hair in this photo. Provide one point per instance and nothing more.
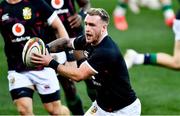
(100, 12)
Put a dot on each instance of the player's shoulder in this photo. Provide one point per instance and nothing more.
(105, 52)
(2, 3)
(37, 2)
(107, 48)
(2, 6)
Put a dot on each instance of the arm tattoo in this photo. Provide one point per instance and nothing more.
(59, 45)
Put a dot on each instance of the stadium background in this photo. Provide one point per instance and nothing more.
(157, 87)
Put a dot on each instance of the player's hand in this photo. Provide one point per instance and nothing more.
(75, 20)
(41, 60)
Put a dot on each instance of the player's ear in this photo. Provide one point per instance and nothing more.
(104, 27)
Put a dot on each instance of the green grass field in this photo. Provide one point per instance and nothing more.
(157, 87)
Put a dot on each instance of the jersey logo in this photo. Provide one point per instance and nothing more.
(12, 81)
(18, 29)
(86, 53)
(27, 13)
(93, 110)
(5, 17)
(46, 87)
(57, 4)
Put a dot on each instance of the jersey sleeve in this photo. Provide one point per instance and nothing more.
(79, 43)
(47, 11)
(100, 60)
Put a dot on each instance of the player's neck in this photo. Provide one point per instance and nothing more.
(103, 36)
(13, 1)
(100, 38)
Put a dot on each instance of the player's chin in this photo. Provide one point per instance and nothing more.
(88, 40)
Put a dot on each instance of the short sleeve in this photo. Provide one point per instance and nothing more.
(79, 43)
(47, 11)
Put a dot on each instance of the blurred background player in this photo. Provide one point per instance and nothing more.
(72, 21)
(20, 21)
(119, 13)
(158, 59)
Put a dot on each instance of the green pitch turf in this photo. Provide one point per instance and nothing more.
(157, 87)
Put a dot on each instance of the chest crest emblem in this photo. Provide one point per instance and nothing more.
(27, 13)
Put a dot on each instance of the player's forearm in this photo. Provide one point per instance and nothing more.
(70, 72)
(61, 31)
(58, 45)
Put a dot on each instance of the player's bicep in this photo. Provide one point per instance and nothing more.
(58, 25)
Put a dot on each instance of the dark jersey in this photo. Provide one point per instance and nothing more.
(20, 22)
(112, 80)
(64, 9)
(178, 13)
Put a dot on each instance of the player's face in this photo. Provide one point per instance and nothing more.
(93, 29)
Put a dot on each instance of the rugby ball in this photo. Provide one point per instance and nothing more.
(33, 45)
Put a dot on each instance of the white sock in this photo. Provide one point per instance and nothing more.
(119, 11)
(139, 59)
(169, 13)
